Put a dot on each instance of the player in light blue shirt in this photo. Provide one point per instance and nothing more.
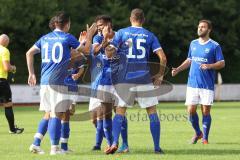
(204, 57)
(55, 54)
(140, 43)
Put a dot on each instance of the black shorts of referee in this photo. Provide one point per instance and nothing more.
(5, 91)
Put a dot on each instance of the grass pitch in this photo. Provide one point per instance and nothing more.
(176, 132)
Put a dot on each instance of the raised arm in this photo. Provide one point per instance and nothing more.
(90, 32)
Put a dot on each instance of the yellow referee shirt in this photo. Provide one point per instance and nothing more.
(4, 56)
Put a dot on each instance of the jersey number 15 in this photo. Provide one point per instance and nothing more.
(139, 47)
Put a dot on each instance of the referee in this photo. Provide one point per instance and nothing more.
(5, 90)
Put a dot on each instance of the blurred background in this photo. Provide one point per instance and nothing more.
(173, 21)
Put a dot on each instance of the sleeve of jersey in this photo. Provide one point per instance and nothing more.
(116, 39)
(218, 54)
(96, 40)
(73, 42)
(37, 44)
(155, 44)
(6, 55)
(190, 52)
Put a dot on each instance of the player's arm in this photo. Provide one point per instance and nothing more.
(30, 61)
(216, 66)
(79, 74)
(107, 36)
(90, 32)
(163, 62)
(6, 62)
(8, 67)
(219, 61)
(96, 48)
(182, 67)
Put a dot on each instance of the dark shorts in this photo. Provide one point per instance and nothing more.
(5, 91)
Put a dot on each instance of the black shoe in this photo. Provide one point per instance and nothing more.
(159, 151)
(16, 130)
(96, 148)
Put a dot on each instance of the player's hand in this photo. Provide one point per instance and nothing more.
(205, 66)
(106, 31)
(157, 80)
(75, 76)
(83, 37)
(91, 30)
(32, 80)
(175, 71)
(13, 69)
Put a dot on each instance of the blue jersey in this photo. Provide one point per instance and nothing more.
(55, 54)
(96, 69)
(69, 81)
(207, 53)
(140, 43)
(106, 71)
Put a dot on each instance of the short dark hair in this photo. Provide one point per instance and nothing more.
(62, 18)
(138, 15)
(105, 18)
(52, 23)
(209, 23)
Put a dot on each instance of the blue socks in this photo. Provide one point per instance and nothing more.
(117, 124)
(155, 130)
(54, 129)
(206, 125)
(124, 131)
(107, 128)
(99, 133)
(65, 132)
(42, 129)
(195, 123)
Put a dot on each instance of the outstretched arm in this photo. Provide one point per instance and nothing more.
(182, 67)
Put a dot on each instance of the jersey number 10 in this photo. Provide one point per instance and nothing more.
(139, 47)
(53, 57)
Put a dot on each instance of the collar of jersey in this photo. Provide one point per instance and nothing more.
(136, 27)
(204, 42)
(58, 30)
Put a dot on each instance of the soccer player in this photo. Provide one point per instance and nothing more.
(105, 110)
(105, 88)
(140, 42)
(55, 53)
(6, 93)
(204, 57)
(65, 129)
(70, 81)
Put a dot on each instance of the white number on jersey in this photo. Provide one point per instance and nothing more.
(46, 59)
(139, 47)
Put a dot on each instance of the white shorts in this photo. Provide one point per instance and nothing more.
(54, 98)
(94, 103)
(126, 94)
(105, 93)
(196, 96)
(74, 98)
